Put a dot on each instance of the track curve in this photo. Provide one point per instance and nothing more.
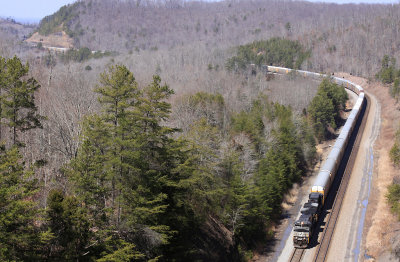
(335, 161)
(323, 247)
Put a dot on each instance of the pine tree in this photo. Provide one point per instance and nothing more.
(335, 93)
(18, 98)
(89, 173)
(236, 206)
(289, 146)
(272, 181)
(124, 170)
(193, 190)
(204, 144)
(121, 251)
(150, 183)
(2, 89)
(100, 165)
(119, 96)
(69, 224)
(325, 107)
(19, 237)
(322, 114)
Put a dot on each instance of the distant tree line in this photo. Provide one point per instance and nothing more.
(275, 51)
(337, 38)
(61, 21)
(82, 54)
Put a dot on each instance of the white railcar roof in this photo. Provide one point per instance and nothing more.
(353, 114)
(330, 162)
(322, 179)
(357, 106)
(339, 142)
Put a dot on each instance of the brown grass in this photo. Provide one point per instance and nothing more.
(60, 39)
(290, 198)
(381, 223)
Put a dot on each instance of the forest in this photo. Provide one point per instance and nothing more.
(160, 137)
(135, 189)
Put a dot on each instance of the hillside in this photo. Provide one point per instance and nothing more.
(171, 141)
(57, 39)
(11, 35)
(12, 29)
(350, 38)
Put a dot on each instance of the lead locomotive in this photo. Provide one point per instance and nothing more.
(305, 225)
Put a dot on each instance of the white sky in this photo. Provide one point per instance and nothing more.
(34, 10)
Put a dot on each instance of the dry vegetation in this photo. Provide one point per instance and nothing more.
(382, 241)
(11, 34)
(66, 97)
(187, 44)
(350, 38)
(60, 39)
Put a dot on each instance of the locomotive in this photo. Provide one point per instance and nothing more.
(303, 227)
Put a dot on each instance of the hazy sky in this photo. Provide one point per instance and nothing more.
(34, 10)
(30, 9)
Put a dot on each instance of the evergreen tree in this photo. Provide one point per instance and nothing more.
(271, 184)
(88, 171)
(282, 165)
(236, 205)
(336, 94)
(126, 168)
(277, 51)
(252, 122)
(289, 145)
(119, 95)
(195, 190)
(2, 89)
(19, 237)
(69, 224)
(204, 144)
(150, 189)
(19, 111)
(388, 72)
(393, 198)
(322, 114)
(121, 251)
(325, 107)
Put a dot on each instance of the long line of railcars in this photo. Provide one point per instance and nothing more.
(304, 226)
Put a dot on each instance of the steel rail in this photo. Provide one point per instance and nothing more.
(297, 255)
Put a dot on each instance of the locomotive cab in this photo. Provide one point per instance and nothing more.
(302, 231)
(303, 227)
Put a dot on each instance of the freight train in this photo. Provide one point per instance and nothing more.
(303, 227)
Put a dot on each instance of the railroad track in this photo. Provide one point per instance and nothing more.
(323, 248)
(297, 255)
